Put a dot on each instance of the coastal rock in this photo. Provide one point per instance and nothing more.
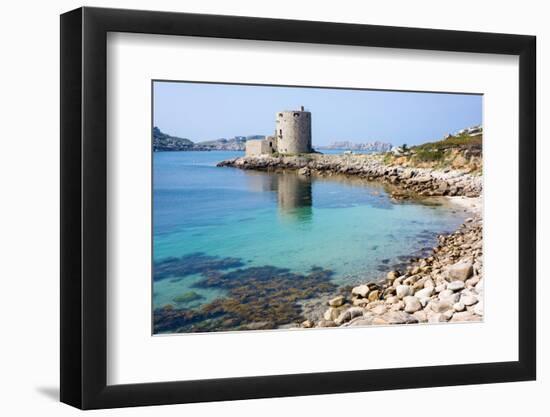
(437, 318)
(458, 306)
(392, 275)
(412, 304)
(424, 301)
(419, 284)
(451, 299)
(379, 309)
(337, 301)
(421, 316)
(395, 317)
(445, 294)
(440, 287)
(455, 285)
(399, 305)
(403, 291)
(307, 324)
(360, 302)
(349, 314)
(361, 290)
(461, 270)
(448, 314)
(440, 306)
(392, 299)
(472, 282)
(398, 281)
(360, 321)
(331, 314)
(468, 299)
(424, 293)
(388, 292)
(374, 295)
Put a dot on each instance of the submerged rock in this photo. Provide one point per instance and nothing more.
(187, 297)
(194, 263)
(257, 297)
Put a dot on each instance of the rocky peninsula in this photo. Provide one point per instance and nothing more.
(446, 285)
(408, 180)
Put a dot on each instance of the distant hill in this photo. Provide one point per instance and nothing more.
(376, 146)
(233, 144)
(163, 142)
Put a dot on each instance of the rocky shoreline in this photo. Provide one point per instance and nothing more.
(445, 286)
(407, 180)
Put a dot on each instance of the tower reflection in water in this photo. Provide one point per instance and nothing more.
(294, 196)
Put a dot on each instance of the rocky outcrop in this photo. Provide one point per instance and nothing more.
(446, 286)
(407, 180)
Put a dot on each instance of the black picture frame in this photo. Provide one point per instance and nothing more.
(84, 207)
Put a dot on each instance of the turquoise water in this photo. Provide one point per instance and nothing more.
(347, 226)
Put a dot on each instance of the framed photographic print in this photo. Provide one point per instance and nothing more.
(257, 208)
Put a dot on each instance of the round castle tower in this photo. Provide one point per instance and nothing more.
(293, 131)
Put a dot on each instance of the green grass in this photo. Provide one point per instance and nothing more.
(429, 154)
(462, 141)
(388, 157)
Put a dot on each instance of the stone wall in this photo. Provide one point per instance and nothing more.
(260, 147)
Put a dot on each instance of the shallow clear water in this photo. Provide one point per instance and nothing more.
(345, 225)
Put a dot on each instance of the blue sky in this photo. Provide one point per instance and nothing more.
(210, 111)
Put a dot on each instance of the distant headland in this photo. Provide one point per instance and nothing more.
(163, 142)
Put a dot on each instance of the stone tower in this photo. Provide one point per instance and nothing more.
(293, 131)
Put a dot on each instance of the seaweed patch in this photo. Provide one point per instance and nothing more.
(258, 298)
(193, 263)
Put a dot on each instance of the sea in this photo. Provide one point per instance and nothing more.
(221, 219)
